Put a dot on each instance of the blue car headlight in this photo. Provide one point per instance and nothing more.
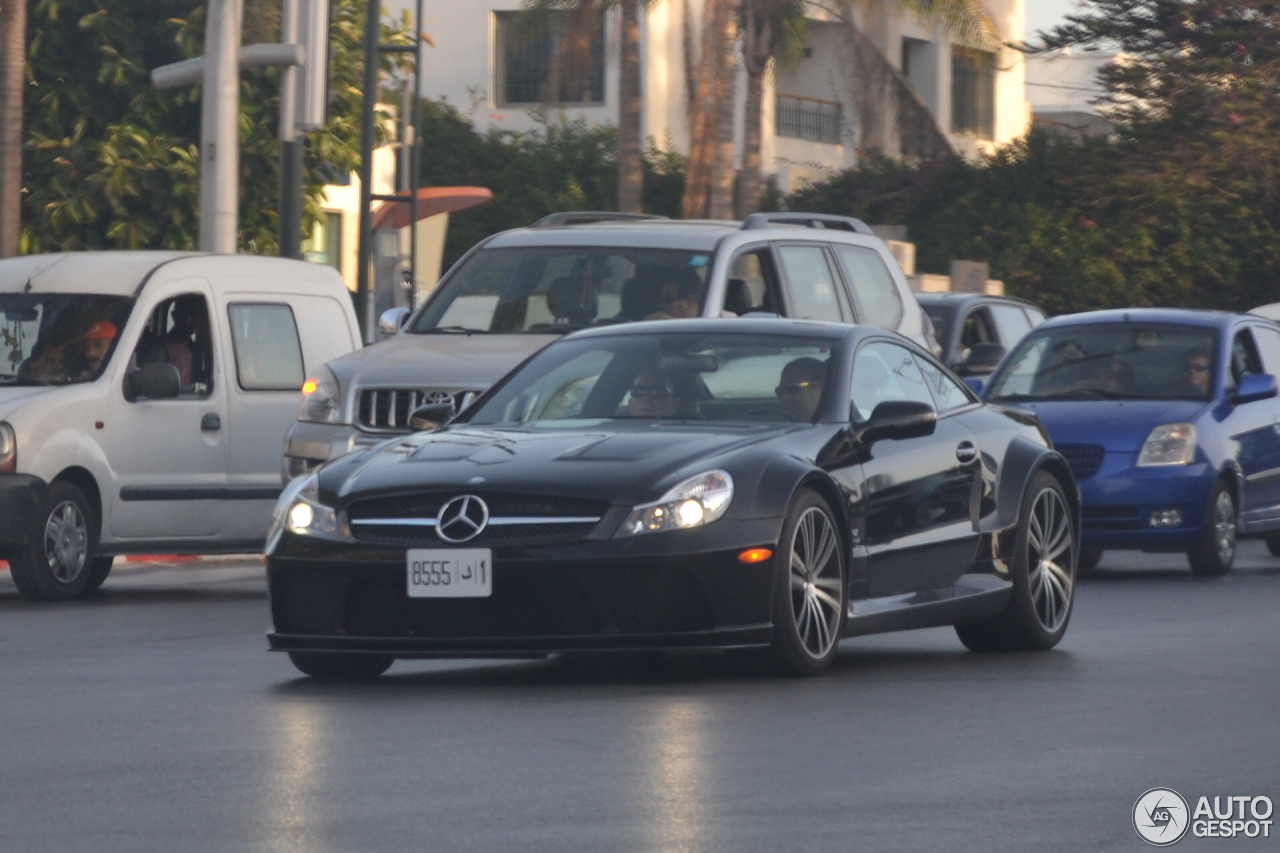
(299, 511)
(1169, 444)
(696, 501)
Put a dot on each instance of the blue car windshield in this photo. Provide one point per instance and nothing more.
(1110, 361)
(668, 377)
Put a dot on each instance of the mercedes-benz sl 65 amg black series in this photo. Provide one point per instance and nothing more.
(685, 484)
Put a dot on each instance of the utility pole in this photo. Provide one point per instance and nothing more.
(219, 130)
(291, 147)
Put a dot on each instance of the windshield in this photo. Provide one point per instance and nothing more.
(549, 290)
(1110, 361)
(58, 339)
(703, 377)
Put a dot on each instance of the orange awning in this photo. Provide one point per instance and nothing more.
(431, 201)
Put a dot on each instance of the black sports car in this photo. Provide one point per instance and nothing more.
(752, 483)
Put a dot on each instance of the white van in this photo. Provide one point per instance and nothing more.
(143, 399)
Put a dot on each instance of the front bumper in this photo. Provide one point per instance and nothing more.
(600, 595)
(20, 498)
(307, 446)
(1117, 503)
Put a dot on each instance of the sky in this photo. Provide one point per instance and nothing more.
(1043, 14)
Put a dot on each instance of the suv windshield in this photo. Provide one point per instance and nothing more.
(549, 290)
(58, 339)
(1110, 361)
(717, 377)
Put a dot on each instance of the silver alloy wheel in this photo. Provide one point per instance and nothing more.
(815, 582)
(66, 542)
(1224, 527)
(1049, 552)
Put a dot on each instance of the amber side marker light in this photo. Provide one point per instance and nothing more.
(755, 555)
(309, 387)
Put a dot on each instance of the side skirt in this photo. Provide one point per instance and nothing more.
(970, 597)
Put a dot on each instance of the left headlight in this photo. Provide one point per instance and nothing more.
(8, 449)
(696, 501)
(1170, 444)
(299, 511)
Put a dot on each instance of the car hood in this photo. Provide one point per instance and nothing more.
(13, 397)
(622, 462)
(1118, 425)
(455, 361)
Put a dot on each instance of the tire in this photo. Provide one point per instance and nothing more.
(333, 666)
(1043, 570)
(1088, 560)
(98, 573)
(56, 563)
(1213, 555)
(809, 589)
(1273, 545)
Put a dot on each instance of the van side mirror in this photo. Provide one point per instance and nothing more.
(430, 417)
(1254, 386)
(899, 419)
(982, 359)
(155, 381)
(391, 321)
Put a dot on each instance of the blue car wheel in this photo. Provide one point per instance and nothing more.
(1216, 550)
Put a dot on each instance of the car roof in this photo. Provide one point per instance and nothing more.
(1173, 316)
(952, 299)
(739, 325)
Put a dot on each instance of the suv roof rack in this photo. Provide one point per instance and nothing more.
(806, 220)
(585, 217)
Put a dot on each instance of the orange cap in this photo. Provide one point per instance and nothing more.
(101, 330)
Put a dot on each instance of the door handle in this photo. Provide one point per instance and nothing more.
(210, 422)
(966, 452)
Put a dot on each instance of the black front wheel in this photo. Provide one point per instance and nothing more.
(1043, 571)
(809, 591)
(331, 666)
(57, 561)
(1273, 545)
(1216, 551)
(1089, 559)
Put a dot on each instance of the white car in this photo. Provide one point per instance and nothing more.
(143, 399)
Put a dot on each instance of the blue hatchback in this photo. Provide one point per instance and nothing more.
(1170, 421)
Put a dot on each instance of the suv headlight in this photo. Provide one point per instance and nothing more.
(1170, 444)
(698, 500)
(299, 511)
(321, 400)
(8, 449)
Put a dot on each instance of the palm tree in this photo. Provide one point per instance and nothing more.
(13, 49)
(709, 174)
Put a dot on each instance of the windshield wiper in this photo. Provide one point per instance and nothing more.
(451, 330)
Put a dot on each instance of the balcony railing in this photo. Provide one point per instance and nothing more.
(808, 118)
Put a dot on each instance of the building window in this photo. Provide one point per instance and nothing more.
(523, 56)
(808, 118)
(973, 92)
(324, 245)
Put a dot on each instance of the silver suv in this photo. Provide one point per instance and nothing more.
(517, 291)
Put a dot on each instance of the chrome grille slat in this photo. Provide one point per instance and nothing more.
(388, 409)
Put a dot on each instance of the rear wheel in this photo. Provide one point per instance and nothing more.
(1043, 570)
(1216, 550)
(57, 560)
(809, 592)
(330, 666)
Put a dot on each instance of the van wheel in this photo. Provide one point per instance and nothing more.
(98, 572)
(57, 561)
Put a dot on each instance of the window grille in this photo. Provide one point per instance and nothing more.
(523, 56)
(973, 92)
(808, 118)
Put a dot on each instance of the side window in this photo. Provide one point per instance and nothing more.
(752, 284)
(268, 353)
(178, 333)
(811, 284)
(1011, 323)
(884, 371)
(873, 286)
(1034, 316)
(1244, 356)
(947, 393)
(977, 329)
(1268, 341)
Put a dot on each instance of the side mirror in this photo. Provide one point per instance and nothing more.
(430, 417)
(982, 359)
(155, 381)
(898, 419)
(391, 321)
(1254, 386)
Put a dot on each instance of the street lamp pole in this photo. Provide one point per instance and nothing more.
(219, 131)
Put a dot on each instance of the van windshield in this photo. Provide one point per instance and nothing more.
(556, 289)
(58, 339)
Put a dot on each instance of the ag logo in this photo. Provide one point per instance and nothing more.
(462, 519)
(1160, 817)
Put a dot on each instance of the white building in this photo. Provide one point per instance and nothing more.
(894, 84)
(1062, 88)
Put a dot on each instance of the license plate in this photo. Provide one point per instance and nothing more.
(449, 572)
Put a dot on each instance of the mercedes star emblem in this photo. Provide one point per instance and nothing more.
(462, 518)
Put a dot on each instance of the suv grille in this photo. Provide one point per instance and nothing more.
(1084, 459)
(388, 409)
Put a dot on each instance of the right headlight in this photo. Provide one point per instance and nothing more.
(1169, 444)
(696, 501)
(321, 400)
(8, 449)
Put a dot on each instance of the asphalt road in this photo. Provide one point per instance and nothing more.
(152, 718)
